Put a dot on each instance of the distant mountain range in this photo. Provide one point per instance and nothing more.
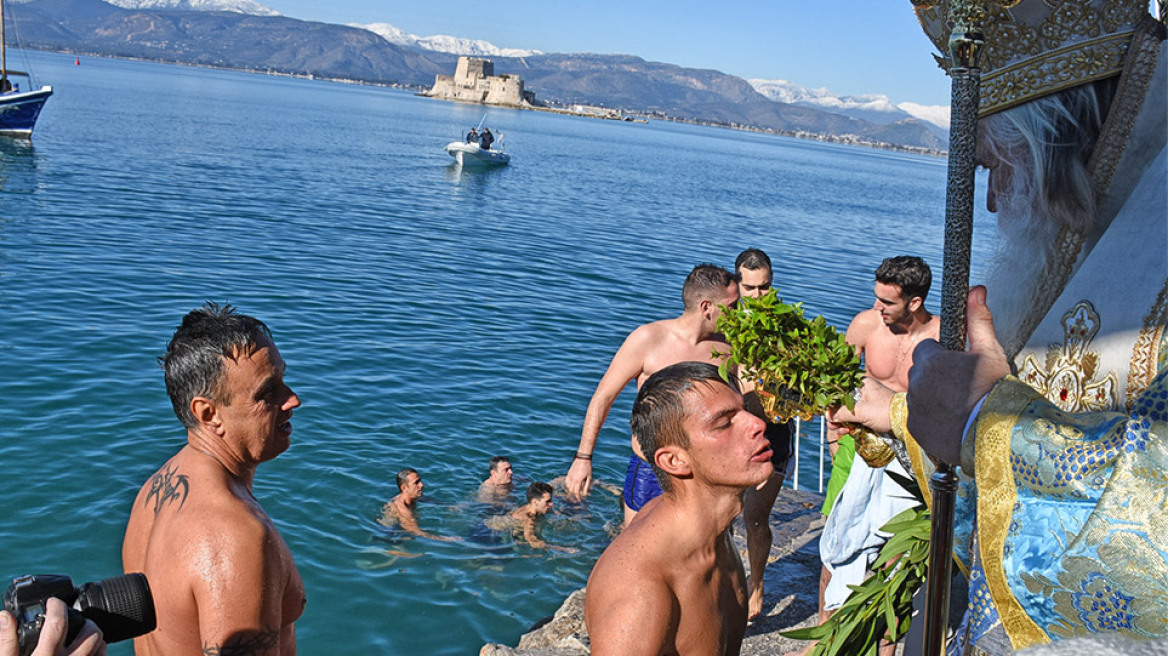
(868, 107)
(237, 6)
(243, 34)
(442, 43)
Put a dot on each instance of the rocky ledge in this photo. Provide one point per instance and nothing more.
(791, 598)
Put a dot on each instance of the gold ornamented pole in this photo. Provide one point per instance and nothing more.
(965, 45)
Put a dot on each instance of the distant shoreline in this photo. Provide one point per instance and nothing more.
(640, 115)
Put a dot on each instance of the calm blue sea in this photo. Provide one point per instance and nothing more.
(430, 317)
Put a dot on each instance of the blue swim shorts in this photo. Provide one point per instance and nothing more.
(640, 484)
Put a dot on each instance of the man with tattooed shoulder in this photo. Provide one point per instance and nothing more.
(223, 579)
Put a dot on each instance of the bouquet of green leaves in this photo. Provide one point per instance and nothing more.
(800, 367)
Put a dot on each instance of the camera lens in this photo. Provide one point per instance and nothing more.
(121, 606)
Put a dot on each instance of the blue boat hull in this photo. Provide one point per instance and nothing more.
(19, 111)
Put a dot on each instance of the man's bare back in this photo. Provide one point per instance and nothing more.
(195, 531)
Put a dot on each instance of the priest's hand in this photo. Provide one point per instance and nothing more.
(871, 410)
(944, 386)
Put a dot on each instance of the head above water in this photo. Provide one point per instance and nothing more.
(660, 411)
(194, 361)
(500, 472)
(404, 476)
(707, 282)
(537, 490)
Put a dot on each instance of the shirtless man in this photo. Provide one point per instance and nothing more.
(648, 349)
(400, 509)
(672, 581)
(885, 336)
(753, 270)
(523, 519)
(498, 485)
(223, 580)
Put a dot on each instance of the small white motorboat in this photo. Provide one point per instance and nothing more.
(472, 154)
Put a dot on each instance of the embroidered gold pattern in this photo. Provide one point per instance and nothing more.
(1067, 378)
(996, 497)
(1147, 354)
(1036, 50)
(1138, 69)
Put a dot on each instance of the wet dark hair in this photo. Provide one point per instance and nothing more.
(705, 281)
(498, 460)
(403, 476)
(659, 411)
(537, 489)
(909, 273)
(753, 259)
(193, 362)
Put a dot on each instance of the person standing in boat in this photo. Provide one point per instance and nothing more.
(486, 139)
(472, 136)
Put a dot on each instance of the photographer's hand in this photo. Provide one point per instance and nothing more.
(88, 642)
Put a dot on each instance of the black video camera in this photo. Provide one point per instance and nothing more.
(121, 606)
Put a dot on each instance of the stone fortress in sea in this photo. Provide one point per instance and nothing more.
(474, 80)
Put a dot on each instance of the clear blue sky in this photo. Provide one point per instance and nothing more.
(849, 46)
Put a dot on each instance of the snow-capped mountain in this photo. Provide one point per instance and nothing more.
(936, 114)
(237, 6)
(441, 43)
(869, 107)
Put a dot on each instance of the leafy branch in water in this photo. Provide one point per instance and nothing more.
(802, 367)
(881, 606)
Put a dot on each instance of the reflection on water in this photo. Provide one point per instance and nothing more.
(18, 168)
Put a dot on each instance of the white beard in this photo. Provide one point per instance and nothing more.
(1016, 272)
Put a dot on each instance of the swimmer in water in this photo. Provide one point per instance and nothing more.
(522, 520)
(399, 511)
(498, 485)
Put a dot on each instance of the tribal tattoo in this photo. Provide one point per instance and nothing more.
(245, 643)
(166, 487)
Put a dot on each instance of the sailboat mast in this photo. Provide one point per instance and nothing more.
(3, 52)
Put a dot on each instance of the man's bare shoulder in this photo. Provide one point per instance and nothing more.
(863, 327)
(644, 546)
(933, 327)
(647, 333)
(630, 604)
(190, 500)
